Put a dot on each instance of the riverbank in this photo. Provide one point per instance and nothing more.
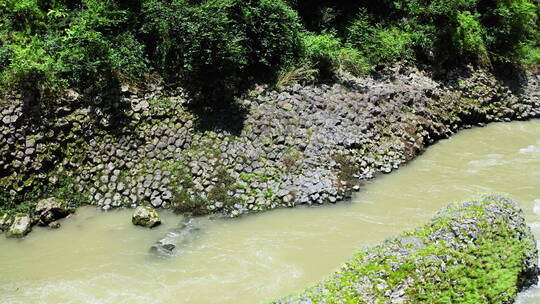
(480, 251)
(300, 145)
(265, 256)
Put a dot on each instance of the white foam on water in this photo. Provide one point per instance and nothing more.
(530, 149)
(535, 227)
(536, 206)
(489, 162)
(528, 295)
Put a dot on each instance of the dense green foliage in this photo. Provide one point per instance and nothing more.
(64, 188)
(217, 48)
(220, 46)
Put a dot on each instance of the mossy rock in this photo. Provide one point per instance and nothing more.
(51, 209)
(476, 252)
(146, 216)
(21, 226)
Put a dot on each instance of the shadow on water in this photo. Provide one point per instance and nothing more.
(172, 243)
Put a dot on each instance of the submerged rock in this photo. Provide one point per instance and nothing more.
(178, 237)
(146, 216)
(54, 225)
(51, 209)
(162, 247)
(21, 226)
(480, 251)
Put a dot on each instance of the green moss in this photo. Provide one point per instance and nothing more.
(65, 188)
(476, 252)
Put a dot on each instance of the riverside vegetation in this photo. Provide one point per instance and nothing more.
(216, 49)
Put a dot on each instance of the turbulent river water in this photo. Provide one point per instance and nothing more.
(99, 257)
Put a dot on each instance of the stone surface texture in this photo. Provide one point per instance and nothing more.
(146, 216)
(21, 226)
(301, 145)
(50, 210)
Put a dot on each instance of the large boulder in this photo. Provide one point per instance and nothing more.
(146, 216)
(476, 252)
(21, 226)
(51, 209)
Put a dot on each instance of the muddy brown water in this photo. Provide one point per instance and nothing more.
(99, 257)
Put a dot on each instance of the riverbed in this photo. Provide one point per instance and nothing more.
(99, 257)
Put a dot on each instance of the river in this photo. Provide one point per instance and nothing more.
(99, 257)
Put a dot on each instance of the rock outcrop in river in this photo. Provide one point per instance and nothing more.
(309, 144)
(480, 251)
(146, 216)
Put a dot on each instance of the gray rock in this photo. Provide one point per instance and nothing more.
(51, 209)
(146, 216)
(156, 202)
(21, 226)
(104, 179)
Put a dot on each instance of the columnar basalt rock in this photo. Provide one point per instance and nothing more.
(480, 251)
(309, 144)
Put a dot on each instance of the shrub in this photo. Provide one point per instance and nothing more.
(469, 36)
(97, 46)
(390, 44)
(31, 69)
(352, 61)
(292, 75)
(5, 56)
(483, 30)
(381, 44)
(22, 15)
(128, 58)
(47, 46)
(220, 47)
(531, 57)
(327, 53)
(322, 49)
(509, 25)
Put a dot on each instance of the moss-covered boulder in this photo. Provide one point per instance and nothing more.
(51, 209)
(21, 226)
(146, 216)
(475, 252)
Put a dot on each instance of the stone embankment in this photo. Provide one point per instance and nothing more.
(300, 145)
(476, 252)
